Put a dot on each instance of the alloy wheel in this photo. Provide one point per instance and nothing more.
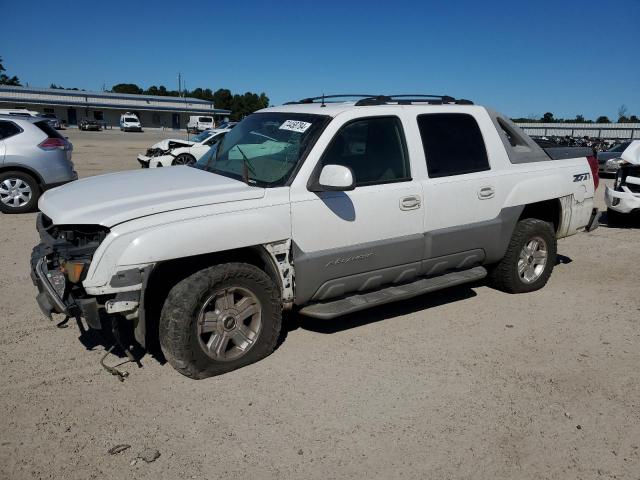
(532, 260)
(229, 323)
(15, 192)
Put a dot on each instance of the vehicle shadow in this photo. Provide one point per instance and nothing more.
(631, 220)
(295, 320)
(104, 339)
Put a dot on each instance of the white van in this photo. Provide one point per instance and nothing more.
(198, 123)
(129, 122)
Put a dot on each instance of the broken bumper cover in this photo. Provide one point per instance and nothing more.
(48, 298)
(51, 301)
(144, 161)
(623, 202)
(594, 220)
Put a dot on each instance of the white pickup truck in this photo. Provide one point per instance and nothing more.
(323, 206)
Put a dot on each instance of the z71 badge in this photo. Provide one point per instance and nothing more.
(581, 177)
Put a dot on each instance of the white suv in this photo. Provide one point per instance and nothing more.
(328, 208)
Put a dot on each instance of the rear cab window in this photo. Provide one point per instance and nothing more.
(453, 144)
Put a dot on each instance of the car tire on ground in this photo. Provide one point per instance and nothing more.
(19, 192)
(529, 260)
(184, 159)
(219, 319)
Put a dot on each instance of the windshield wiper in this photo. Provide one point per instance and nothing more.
(246, 166)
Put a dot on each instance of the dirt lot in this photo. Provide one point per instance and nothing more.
(466, 383)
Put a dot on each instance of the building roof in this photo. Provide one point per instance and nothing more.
(120, 101)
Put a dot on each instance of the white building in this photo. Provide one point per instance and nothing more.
(71, 106)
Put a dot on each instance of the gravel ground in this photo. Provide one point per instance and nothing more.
(465, 383)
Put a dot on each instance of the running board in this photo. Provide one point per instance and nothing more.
(362, 301)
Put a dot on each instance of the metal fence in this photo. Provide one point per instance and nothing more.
(612, 131)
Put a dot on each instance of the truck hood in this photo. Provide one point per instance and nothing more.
(118, 197)
(175, 142)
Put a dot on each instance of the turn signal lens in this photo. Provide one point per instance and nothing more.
(73, 270)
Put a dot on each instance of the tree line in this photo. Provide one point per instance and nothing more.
(623, 117)
(240, 105)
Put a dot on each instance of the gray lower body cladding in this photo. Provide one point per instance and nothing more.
(335, 272)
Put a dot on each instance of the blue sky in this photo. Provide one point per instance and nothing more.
(521, 57)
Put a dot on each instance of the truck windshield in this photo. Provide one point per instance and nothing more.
(265, 148)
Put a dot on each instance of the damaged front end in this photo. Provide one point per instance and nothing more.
(162, 149)
(60, 263)
(624, 197)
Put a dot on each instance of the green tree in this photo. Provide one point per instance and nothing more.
(634, 119)
(603, 119)
(579, 119)
(5, 79)
(127, 88)
(222, 98)
(547, 117)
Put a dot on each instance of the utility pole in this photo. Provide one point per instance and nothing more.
(179, 84)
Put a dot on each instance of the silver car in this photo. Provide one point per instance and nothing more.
(33, 158)
(607, 160)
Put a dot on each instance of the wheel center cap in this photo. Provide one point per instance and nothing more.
(531, 259)
(229, 323)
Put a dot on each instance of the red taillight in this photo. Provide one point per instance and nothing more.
(593, 163)
(53, 143)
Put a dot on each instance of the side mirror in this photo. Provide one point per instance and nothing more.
(333, 178)
(631, 154)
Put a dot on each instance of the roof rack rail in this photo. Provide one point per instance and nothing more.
(409, 99)
(404, 99)
(323, 98)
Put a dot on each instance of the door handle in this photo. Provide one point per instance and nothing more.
(410, 203)
(486, 192)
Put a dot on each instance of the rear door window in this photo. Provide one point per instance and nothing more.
(8, 129)
(453, 144)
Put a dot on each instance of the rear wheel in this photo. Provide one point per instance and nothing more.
(220, 319)
(529, 260)
(19, 192)
(184, 159)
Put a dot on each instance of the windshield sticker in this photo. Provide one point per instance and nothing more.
(295, 126)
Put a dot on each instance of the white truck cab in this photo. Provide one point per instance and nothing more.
(129, 122)
(326, 208)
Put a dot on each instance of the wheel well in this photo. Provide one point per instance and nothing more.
(547, 210)
(167, 274)
(28, 171)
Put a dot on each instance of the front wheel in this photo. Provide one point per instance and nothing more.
(219, 319)
(529, 260)
(184, 159)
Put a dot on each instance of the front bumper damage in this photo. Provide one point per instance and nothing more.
(55, 294)
(121, 298)
(155, 161)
